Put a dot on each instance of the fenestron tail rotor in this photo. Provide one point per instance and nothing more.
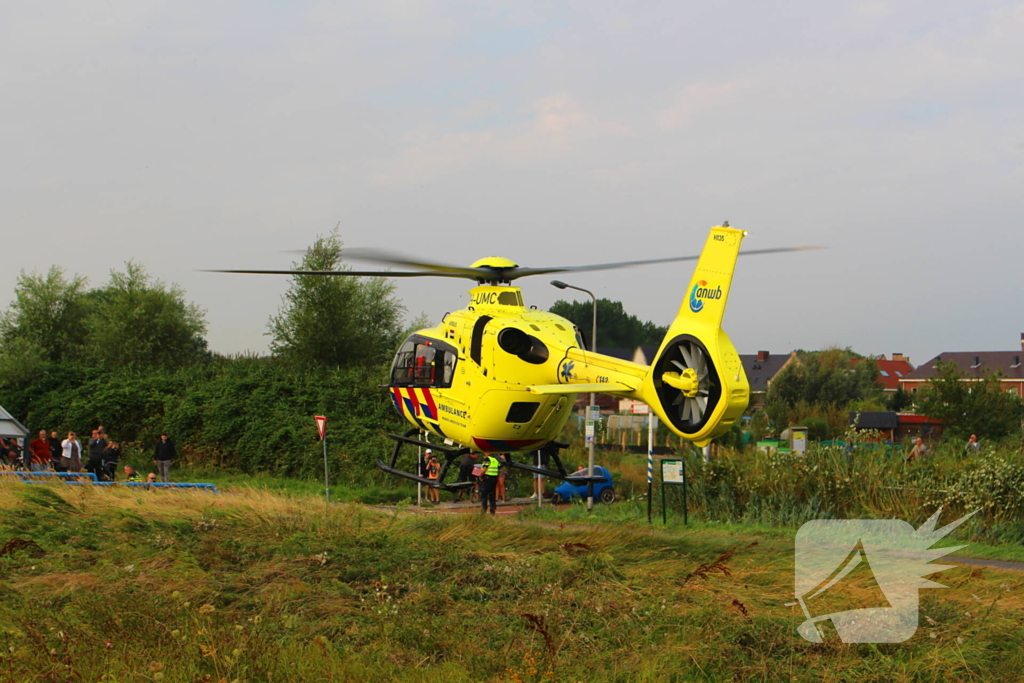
(687, 382)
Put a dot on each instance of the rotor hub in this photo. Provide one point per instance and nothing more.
(686, 381)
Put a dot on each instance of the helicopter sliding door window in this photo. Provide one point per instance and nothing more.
(477, 342)
(424, 362)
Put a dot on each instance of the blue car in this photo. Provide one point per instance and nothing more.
(572, 487)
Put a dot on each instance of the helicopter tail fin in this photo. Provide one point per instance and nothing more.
(696, 383)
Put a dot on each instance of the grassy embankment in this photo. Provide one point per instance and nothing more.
(754, 491)
(129, 586)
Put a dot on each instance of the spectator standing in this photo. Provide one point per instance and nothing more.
(489, 483)
(40, 449)
(71, 453)
(499, 490)
(425, 462)
(433, 472)
(918, 451)
(162, 457)
(55, 451)
(111, 459)
(97, 445)
(972, 447)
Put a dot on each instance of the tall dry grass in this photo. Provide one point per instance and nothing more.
(127, 585)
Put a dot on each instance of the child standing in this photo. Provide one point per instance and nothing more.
(433, 472)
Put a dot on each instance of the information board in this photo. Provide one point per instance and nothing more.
(672, 471)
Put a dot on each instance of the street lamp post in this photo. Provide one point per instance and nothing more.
(593, 396)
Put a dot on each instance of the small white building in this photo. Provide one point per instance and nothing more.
(10, 427)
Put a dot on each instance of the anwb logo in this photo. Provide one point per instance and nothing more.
(700, 292)
(863, 576)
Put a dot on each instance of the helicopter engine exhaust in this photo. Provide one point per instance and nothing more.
(526, 347)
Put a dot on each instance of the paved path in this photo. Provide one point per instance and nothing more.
(509, 507)
(990, 564)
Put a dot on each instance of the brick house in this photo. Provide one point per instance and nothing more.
(976, 364)
(890, 371)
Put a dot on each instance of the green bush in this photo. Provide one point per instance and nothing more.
(250, 414)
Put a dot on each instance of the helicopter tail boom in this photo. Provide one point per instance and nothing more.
(696, 383)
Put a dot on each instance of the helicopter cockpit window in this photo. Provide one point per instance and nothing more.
(423, 362)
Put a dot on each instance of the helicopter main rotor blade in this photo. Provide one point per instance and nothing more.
(332, 273)
(514, 273)
(391, 259)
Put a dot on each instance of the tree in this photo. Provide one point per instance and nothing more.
(823, 384)
(615, 327)
(335, 321)
(899, 400)
(46, 319)
(137, 321)
(422, 321)
(969, 406)
(827, 379)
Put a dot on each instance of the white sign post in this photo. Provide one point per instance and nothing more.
(652, 423)
(321, 428)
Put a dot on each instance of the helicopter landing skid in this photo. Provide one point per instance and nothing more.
(451, 453)
(433, 483)
(552, 450)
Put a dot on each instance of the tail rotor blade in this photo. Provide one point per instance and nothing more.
(687, 358)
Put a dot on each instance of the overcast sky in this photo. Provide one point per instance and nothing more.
(190, 135)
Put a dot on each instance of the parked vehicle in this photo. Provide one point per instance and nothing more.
(572, 487)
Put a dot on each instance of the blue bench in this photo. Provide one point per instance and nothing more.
(88, 478)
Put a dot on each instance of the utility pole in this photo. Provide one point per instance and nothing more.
(591, 423)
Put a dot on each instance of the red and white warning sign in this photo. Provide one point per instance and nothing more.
(321, 425)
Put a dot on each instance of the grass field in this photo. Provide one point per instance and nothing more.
(251, 585)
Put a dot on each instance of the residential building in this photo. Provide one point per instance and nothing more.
(890, 370)
(976, 365)
(761, 368)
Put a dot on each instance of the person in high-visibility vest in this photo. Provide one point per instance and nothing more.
(489, 482)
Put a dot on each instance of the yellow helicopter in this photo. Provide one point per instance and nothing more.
(498, 377)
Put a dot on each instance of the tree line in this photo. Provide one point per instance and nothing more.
(131, 354)
(822, 388)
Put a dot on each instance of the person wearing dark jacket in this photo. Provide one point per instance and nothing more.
(111, 459)
(163, 456)
(97, 444)
(55, 451)
(489, 482)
